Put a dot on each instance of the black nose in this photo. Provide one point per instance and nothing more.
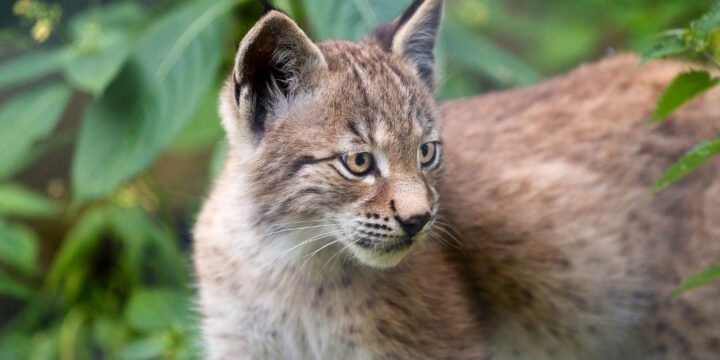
(413, 224)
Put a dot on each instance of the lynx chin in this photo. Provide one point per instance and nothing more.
(357, 219)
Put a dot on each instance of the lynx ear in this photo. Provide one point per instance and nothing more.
(412, 36)
(274, 62)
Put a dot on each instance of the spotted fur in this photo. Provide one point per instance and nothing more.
(537, 245)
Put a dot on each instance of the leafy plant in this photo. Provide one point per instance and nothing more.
(700, 38)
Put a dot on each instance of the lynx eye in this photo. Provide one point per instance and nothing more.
(427, 153)
(359, 164)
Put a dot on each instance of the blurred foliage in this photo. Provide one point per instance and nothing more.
(700, 39)
(126, 91)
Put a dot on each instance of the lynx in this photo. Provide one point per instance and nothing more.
(357, 219)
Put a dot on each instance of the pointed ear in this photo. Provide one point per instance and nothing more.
(412, 36)
(275, 61)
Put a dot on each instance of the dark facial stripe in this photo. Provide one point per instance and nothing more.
(337, 171)
(363, 93)
(353, 129)
(403, 78)
(305, 160)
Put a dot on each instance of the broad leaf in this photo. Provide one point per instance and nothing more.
(26, 118)
(484, 57)
(173, 66)
(350, 19)
(91, 70)
(16, 200)
(158, 309)
(203, 130)
(46, 346)
(33, 65)
(110, 332)
(18, 247)
(700, 278)
(707, 24)
(107, 16)
(151, 347)
(102, 41)
(683, 88)
(671, 45)
(686, 164)
(15, 345)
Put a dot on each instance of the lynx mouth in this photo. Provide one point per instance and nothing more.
(382, 246)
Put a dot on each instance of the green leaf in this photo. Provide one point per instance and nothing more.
(28, 117)
(16, 200)
(109, 16)
(45, 346)
(92, 70)
(33, 65)
(141, 236)
(152, 347)
(15, 346)
(699, 278)
(110, 332)
(350, 19)
(82, 238)
(71, 336)
(707, 24)
(203, 129)
(670, 45)
(12, 287)
(18, 247)
(684, 87)
(157, 309)
(102, 41)
(173, 66)
(691, 160)
(56, 140)
(482, 56)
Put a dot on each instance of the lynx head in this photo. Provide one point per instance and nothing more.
(345, 134)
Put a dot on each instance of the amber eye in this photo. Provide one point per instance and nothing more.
(427, 153)
(359, 163)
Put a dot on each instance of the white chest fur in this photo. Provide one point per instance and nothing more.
(266, 302)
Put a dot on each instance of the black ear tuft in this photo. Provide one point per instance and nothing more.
(274, 61)
(412, 36)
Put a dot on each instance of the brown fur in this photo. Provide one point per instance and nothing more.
(542, 247)
(546, 184)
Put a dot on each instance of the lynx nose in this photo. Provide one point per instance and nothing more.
(413, 224)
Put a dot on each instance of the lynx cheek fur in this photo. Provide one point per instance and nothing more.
(324, 237)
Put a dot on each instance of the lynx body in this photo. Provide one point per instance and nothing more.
(355, 219)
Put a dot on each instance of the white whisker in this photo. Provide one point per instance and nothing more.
(344, 247)
(298, 228)
(320, 249)
(439, 227)
(314, 238)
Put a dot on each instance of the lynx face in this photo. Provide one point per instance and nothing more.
(341, 137)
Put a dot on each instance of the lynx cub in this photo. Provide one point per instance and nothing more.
(330, 236)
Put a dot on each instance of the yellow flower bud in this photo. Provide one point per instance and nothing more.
(41, 31)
